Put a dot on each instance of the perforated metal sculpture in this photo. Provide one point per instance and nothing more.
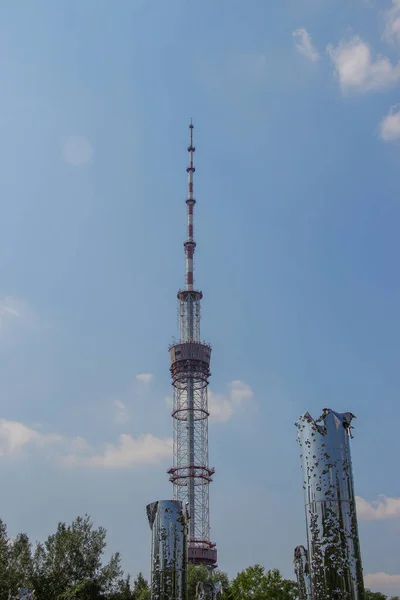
(208, 590)
(334, 556)
(168, 523)
(302, 570)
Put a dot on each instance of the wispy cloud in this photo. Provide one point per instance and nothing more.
(144, 377)
(392, 22)
(358, 71)
(16, 439)
(222, 406)
(127, 453)
(121, 413)
(382, 581)
(15, 436)
(9, 309)
(77, 150)
(389, 128)
(304, 45)
(377, 510)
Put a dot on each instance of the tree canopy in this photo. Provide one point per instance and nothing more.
(378, 596)
(200, 573)
(67, 566)
(258, 584)
(70, 565)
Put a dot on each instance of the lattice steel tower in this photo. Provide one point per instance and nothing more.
(190, 371)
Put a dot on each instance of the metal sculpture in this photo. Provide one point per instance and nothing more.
(208, 590)
(168, 523)
(333, 545)
(301, 568)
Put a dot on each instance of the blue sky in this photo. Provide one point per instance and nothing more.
(297, 182)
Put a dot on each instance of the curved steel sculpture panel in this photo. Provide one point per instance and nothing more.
(333, 543)
(302, 571)
(168, 523)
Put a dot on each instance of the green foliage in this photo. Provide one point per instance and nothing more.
(250, 582)
(374, 595)
(378, 596)
(20, 561)
(16, 567)
(4, 562)
(200, 573)
(257, 584)
(68, 566)
(145, 594)
(141, 589)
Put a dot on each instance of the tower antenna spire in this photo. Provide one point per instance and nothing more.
(190, 371)
(190, 243)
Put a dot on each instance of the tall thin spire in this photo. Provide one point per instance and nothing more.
(190, 244)
(190, 358)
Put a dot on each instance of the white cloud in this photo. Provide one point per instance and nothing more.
(15, 436)
(9, 309)
(222, 406)
(144, 377)
(240, 392)
(390, 125)
(392, 22)
(356, 69)
(305, 45)
(77, 150)
(382, 581)
(377, 510)
(15, 313)
(128, 452)
(122, 413)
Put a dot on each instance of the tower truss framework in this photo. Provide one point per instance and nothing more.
(190, 372)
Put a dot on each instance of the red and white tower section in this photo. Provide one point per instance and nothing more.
(190, 371)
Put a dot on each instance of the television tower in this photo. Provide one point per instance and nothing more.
(190, 371)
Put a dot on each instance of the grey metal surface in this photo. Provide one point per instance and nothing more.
(208, 590)
(168, 523)
(332, 534)
(22, 594)
(301, 568)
